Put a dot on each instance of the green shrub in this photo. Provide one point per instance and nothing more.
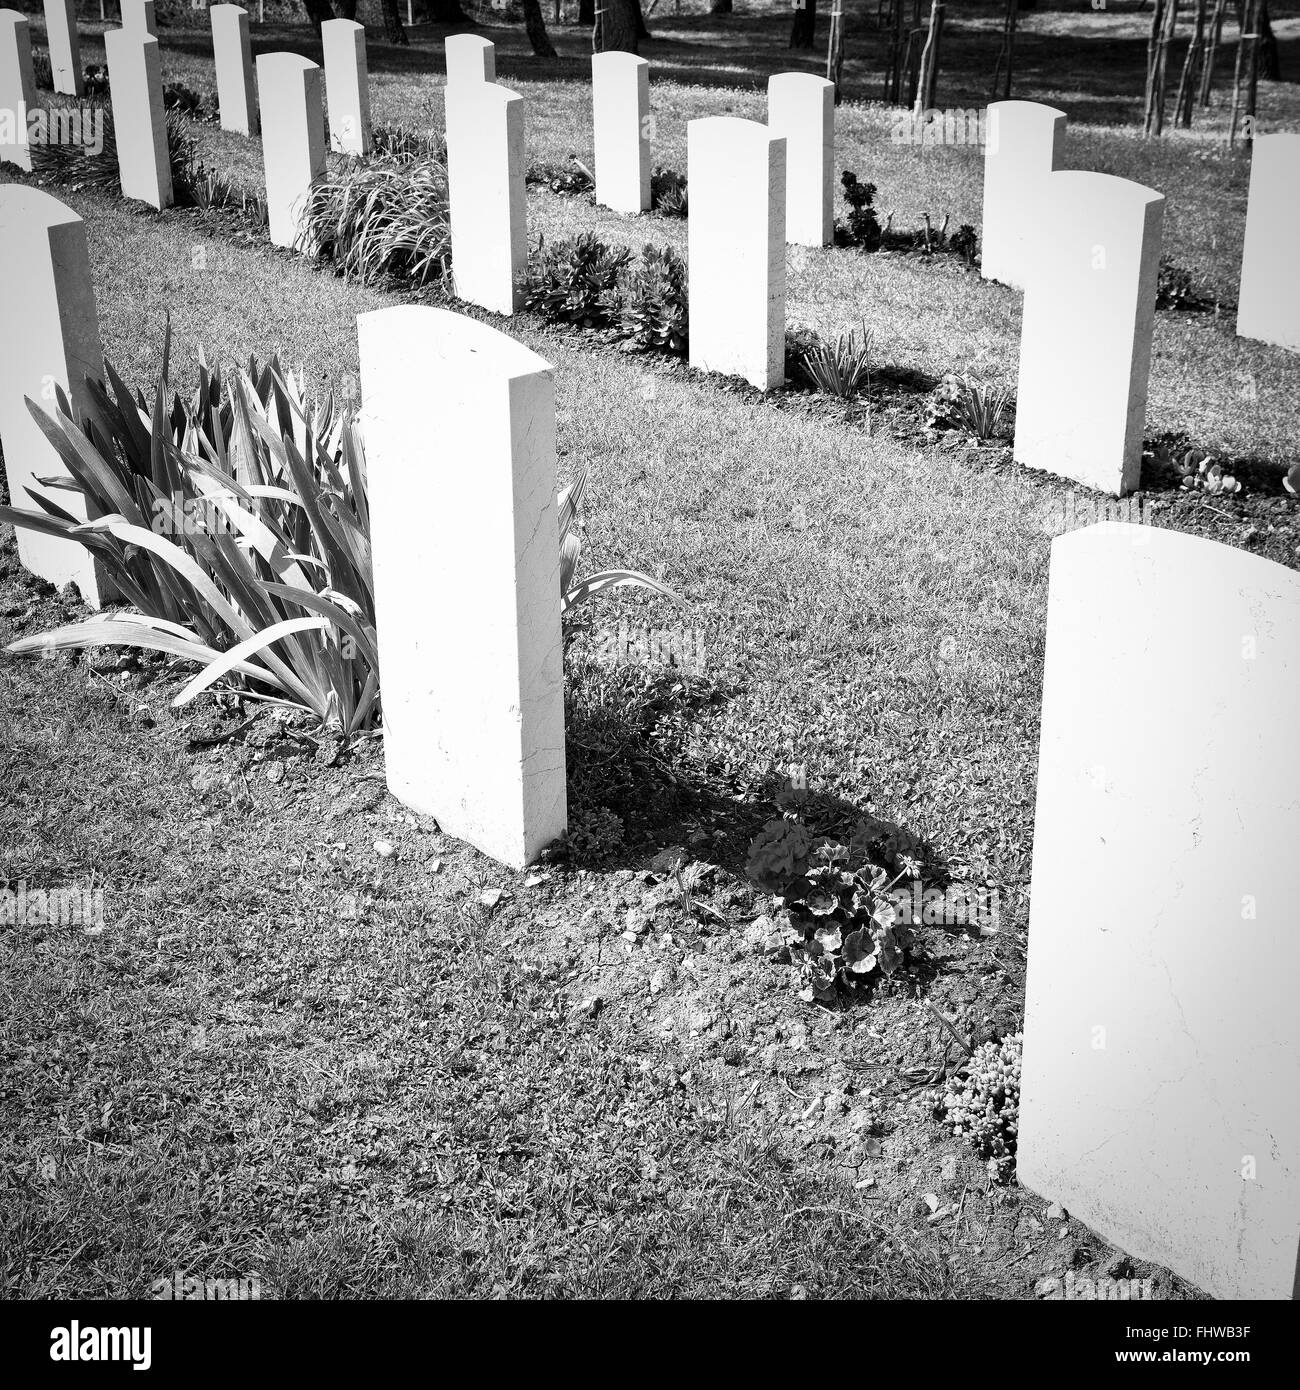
(569, 179)
(653, 311)
(983, 1106)
(668, 193)
(381, 218)
(958, 403)
(575, 281)
(406, 146)
(842, 368)
(862, 228)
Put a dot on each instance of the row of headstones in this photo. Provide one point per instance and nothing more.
(1085, 247)
(1162, 1047)
(1162, 1052)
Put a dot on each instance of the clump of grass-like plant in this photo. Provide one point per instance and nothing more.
(841, 368)
(382, 218)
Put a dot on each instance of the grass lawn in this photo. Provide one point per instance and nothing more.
(360, 1073)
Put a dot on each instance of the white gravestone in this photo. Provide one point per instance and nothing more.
(1022, 146)
(620, 107)
(139, 119)
(17, 88)
(49, 336)
(1085, 342)
(232, 53)
(1162, 1042)
(1269, 306)
(473, 681)
(293, 142)
(65, 47)
(801, 106)
(470, 59)
(138, 17)
(347, 85)
(485, 194)
(736, 240)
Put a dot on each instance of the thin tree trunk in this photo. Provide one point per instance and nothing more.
(1183, 100)
(803, 31)
(1212, 50)
(1002, 69)
(318, 11)
(835, 49)
(535, 28)
(1248, 18)
(1162, 31)
(929, 77)
(1267, 63)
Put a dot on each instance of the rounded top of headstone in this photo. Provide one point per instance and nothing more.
(1096, 191)
(340, 26)
(447, 341)
(614, 58)
(1279, 140)
(733, 130)
(1025, 110)
(26, 206)
(12, 17)
(285, 62)
(809, 81)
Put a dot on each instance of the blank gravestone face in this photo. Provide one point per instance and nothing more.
(1269, 307)
(1023, 142)
(1162, 1040)
(138, 17)
(49, 336)
(1085, 343)
(65, 47)
(801, 107)
(232, 54)
(347, 85)
(17, 88)
(473, 681)
(293, 141)
(139, 119)
(470, 59)
(620, 104)
(736, 239)
(485, 194)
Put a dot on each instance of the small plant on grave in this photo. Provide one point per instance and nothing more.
(981, 410)
(569, 180)
(95, 80)
(842, 368)
(594, 833)
(1199, 471)
(574, 592)
(982, 1103)
(837, 907)
(862, 226)
(652, 311)
(575, 281)
(402, 145)
(382, 218)
(943, 404)
(965, 243)
(668, 193)
(236, 528)
(1176, 288)
(178, 97)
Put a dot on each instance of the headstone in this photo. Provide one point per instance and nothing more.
(1162, 1042)
(470, 59)
(347, 85)
(474, 681)
(1269, 304)
(485, 194)
(1085, 343)
(736, 239)
(801, 106)
(1023, 144)
(49, 336)
(139, 119)
(17, 88)
(620, 104)
(65, 47)
(138, 17)
(232, 54)
(293, 142)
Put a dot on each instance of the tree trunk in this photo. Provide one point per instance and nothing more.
(642, 31)
(394, 29)
(1212, 51)
(720, 7)
(587, 12)
(835, 50)
(348, 9)
(1268, 60)
(535, 28)
(318, 11)
(803, 31)
(617, 27)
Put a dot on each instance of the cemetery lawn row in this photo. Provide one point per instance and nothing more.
(251, 1066)
(928, 318)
